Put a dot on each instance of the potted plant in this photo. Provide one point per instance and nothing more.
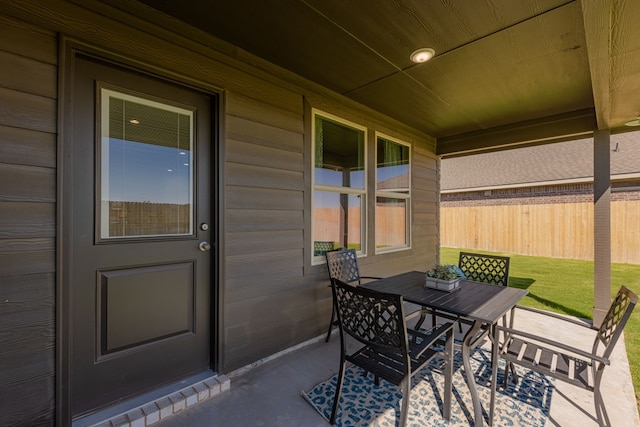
(443, 277)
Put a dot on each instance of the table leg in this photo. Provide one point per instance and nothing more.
(471, 381)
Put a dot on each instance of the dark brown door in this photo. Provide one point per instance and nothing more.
(140, 247)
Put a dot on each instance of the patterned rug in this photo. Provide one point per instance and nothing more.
(362, 403)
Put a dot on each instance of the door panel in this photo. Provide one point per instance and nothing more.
(121, 323)
(140, 286)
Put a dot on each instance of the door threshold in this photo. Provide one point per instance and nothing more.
(159, 404)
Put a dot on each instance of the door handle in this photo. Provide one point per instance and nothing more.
(204, 246)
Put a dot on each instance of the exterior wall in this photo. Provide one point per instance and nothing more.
(552, 221)
(546, 194)
(270, 297)
(263, 227)
(28, 91)
(267, 262)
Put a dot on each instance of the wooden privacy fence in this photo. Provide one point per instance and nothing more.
(148, 219)
(390, 226)
(552, 230)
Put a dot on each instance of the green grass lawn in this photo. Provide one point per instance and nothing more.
(566, 286)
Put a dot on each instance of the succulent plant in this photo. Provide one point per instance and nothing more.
(444, 272)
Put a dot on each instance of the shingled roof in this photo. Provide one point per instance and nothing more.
(562, 162)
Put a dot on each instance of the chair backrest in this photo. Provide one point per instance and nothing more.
(613, 323)
(343, 265)
(376, 319)
(492, 269)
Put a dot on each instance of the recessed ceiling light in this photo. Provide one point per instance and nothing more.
(134, 121)
(422, 55)
(635, 122)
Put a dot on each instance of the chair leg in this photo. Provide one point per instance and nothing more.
(505, 378)
(336, 398)
(601, 411)
(514, 373)
(421, 320)
(333, 316)
(404, 408)
(448, 376)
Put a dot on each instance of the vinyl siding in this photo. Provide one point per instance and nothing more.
(28, 114)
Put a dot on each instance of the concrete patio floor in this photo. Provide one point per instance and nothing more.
(270, 393)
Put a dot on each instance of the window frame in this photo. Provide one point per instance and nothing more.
(407, 197)
(363, 192)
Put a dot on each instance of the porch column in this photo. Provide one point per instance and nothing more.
(601, 224)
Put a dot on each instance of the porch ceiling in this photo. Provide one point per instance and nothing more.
(504, 72)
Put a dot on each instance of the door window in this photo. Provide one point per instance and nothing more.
(146, 167)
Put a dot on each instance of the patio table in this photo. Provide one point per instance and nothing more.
(482, 303)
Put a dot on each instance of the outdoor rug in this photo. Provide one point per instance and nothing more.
(362, 403)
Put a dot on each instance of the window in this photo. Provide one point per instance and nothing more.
(393, 194)
(339, 185)
(146, 170)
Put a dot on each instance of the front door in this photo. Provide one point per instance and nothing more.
(138, 233)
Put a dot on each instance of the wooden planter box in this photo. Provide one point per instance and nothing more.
(443, 285)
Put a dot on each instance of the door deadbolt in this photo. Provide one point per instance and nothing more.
(204, 226)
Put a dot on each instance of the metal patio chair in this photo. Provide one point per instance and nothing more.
(491, 269)
(343, 265)
(567, 363)
(389, 350)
